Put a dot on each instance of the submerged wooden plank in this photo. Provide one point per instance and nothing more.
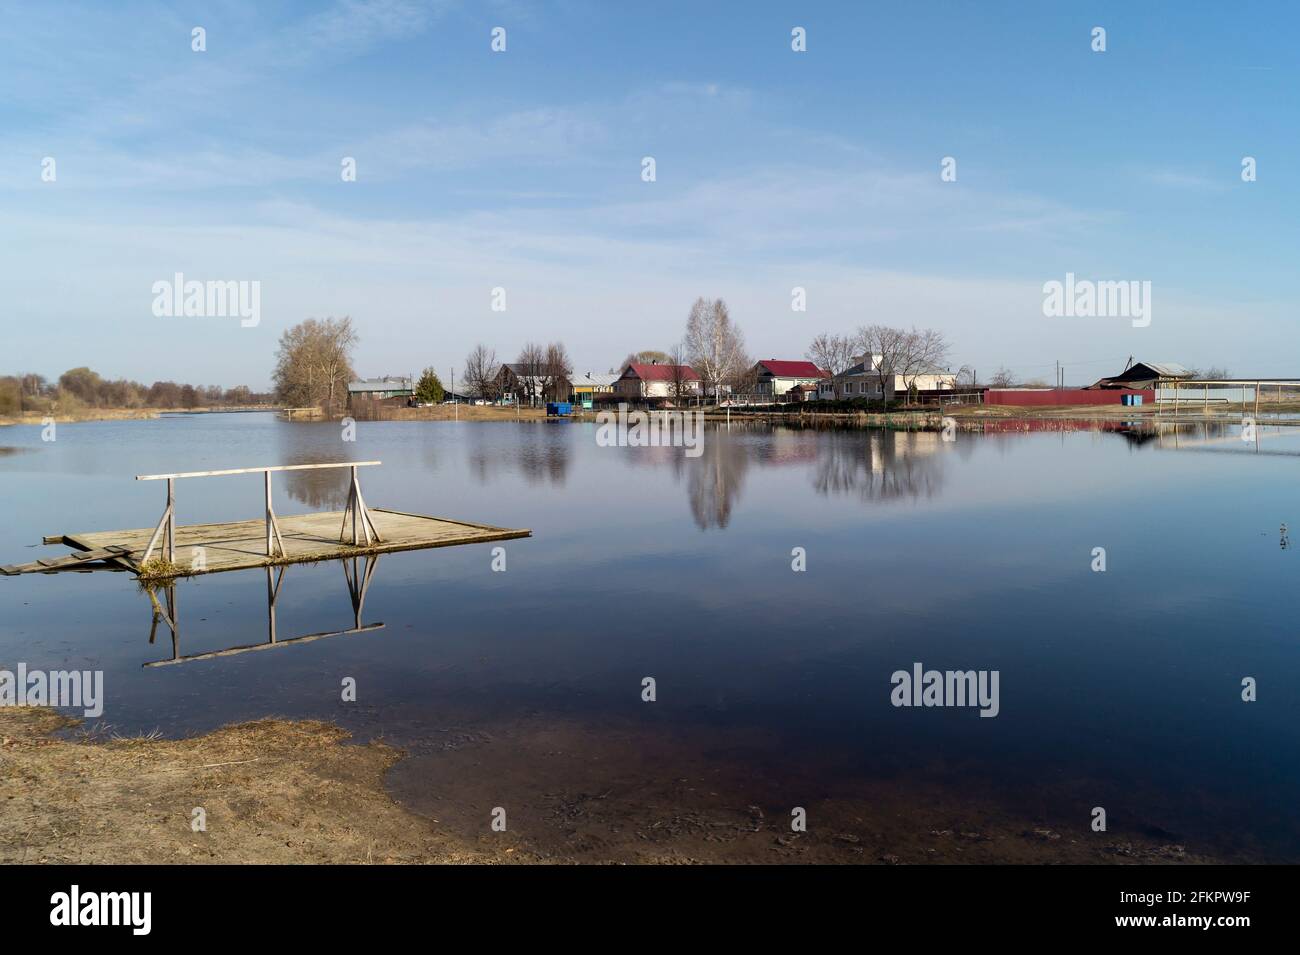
(307, 537)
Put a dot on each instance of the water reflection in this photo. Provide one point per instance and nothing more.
(713, 480)
(322, 489)
(358, 572)
(880, 465)
(540, 455)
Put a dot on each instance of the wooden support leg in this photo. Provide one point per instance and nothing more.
(273, 538)
(347, 512)
(171, 521)
(158, 532)
(367, 525)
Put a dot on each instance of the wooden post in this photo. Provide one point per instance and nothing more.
(171, 520)
(273, 538)
(1257, 401)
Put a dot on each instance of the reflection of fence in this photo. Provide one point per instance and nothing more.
(357, 571)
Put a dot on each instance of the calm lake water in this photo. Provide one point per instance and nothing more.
(1120, 689)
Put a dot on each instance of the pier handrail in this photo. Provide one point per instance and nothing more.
(362, 525)
(272, 467)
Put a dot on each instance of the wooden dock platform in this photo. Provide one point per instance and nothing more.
(306, 537)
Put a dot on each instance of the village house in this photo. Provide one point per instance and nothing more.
(865, 380)
(588, 386)
(774, 379)
(643, 382)
(529, 384)
(387, 390)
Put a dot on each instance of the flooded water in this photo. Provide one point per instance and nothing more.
(1120, 689)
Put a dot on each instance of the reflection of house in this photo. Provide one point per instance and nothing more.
(865, 380)
(387, 390)
(528, 383)
(639, 382)
(586, 387)
(776, 378)
(1143, 375)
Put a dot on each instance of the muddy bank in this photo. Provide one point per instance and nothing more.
(292, 792)
(272, 791)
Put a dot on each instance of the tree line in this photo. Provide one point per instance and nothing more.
(82, 387)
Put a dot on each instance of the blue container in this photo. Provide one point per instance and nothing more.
(558, 409)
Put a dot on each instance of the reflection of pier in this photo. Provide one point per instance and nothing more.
(1221, 439)
(358, 571)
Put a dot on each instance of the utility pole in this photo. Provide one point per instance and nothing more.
(455, 406)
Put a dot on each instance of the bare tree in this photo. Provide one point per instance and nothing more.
(715, 345)
(926, 351)
(314, 363)
(831, 353)
(679, 382)
(1002, 378)
(557, 372)
(481, 369)
(528, 371)
(646, 357)
(886, 348)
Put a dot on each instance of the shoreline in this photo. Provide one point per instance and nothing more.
(114, 414)
(967, 418)
(280, 791)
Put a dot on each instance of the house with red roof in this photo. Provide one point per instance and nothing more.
(775, 378)
(642, 382)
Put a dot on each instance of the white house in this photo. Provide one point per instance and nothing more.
(775, 378)
(864, 380)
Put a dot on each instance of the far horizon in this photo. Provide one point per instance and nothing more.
(129, 157)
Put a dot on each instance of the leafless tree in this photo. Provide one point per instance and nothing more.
(679, 383)
(528, 371)
(557, 372)
(926, 351)
(1002, 378)
(645, 357)
(314, 363)
(713, 342)
(831, 353)
(903, 353)
(481, 369)
(888, 347)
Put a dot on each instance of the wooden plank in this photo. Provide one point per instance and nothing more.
(111, 554)
(273, 467)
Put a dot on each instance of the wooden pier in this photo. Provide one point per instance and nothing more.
(167, 551)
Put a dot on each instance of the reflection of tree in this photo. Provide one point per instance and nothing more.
(714, 479)
(879, 465)
(541, 454)
(325, 488)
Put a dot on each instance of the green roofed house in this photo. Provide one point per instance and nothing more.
(380, 389)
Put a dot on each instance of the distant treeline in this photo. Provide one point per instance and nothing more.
(83, 388)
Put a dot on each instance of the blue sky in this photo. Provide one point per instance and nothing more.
(522, 170)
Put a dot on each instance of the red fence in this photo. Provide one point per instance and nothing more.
(1063, 396)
